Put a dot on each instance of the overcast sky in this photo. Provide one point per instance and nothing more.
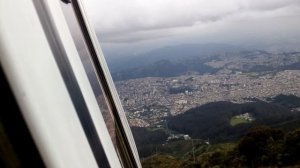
(134, 26)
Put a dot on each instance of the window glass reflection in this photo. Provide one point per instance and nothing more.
(89, 68)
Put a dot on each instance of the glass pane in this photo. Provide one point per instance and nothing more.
(206, 83)
(88, 65)
(100, 83)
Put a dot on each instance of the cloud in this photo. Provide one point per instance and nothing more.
(134, 20)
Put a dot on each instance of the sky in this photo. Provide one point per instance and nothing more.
(131, 27)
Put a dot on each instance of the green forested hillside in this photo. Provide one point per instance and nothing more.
(288, 101)
(260, 147)
(212, 120)
(147, 140)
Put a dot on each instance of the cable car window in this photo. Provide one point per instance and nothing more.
(203, 83)
(64, 90)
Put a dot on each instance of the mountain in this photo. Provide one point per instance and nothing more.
(184, 59)
(165, 68)
(172, 53)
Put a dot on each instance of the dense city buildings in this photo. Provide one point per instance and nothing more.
(148, 100)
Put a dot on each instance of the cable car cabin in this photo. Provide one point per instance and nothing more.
(59, 104)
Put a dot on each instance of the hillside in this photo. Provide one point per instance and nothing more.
(148, 139)
(217, 122)
(260, 147)
(212, 120)
(288, 101)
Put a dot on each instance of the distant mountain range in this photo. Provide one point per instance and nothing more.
(165, 68)
(201, 59)
(172, 53)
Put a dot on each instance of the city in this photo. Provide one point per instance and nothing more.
(148, 100)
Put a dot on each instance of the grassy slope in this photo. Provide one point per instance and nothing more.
(236, 121)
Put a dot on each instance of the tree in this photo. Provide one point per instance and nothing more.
(292, 150)
(262, 146)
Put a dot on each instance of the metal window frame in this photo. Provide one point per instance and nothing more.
(100, 65)
(41, 87)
